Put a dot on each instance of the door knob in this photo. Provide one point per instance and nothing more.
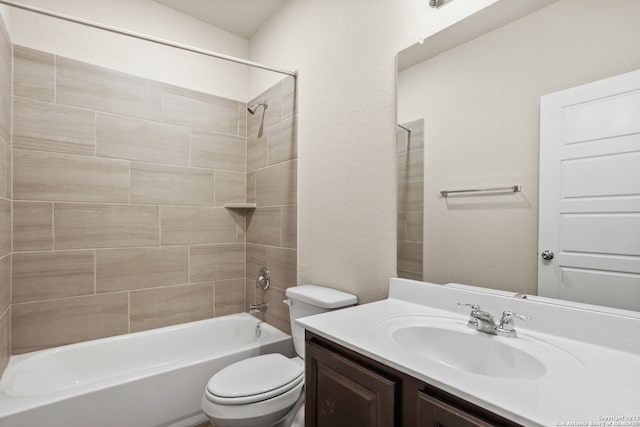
(547, 255)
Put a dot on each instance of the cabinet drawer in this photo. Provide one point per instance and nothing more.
(433, 412)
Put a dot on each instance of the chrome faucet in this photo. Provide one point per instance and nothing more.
(483, 321)
(257, 308)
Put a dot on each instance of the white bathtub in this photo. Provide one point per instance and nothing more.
(151, 378)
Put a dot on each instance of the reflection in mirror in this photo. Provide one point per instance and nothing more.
(479, 99)
(410, 168)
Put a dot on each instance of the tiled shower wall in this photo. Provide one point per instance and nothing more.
(272, 185)
(410, 166)
(5, 195)
(119, 185)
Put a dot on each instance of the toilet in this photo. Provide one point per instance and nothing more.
(267, 390)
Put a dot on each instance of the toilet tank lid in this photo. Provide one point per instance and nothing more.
(321, 296)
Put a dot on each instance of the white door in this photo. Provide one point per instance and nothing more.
(590, 193)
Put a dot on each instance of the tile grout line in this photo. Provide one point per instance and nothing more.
(121, 291)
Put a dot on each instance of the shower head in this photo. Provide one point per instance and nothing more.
(252, 109)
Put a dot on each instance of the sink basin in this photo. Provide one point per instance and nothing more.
(449, 342)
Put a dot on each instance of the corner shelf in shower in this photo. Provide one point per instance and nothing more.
(240, 205)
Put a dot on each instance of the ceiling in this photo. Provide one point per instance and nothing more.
(240, 17)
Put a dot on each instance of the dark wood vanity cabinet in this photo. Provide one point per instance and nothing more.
(344, 393)
(345, 388)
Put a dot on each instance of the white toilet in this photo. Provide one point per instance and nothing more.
(267, 390)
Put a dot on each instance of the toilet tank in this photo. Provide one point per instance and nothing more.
(307, 300)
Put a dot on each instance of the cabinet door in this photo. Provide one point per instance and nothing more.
(433, 412)
(341, 392)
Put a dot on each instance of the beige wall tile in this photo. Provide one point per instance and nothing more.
(229, 297)
(217, 262)
(138, 268)
(171, 185)
(271, 115)
(5, 84)
(410, 165)
(256, 259)
(251, 187)
(401, 140)
(46, 126)
(412, 275)
(79, 226)
(410, 195)
(182, 225)
(32, 226)
(242, 117)
(5, 340)
(289, 97)
(88, 86)
(277, 185)
(264, 226)
(5, 226)
(402, 226)
(414, 226)
(218, 151)
(137, 139)
(63, 177)
(5, 283)
(283, 265)
(5, 151)
(410, 256)
(231, 187)
(155, 308)
(240, 218)
(256, 152)
(416, 140)
(283, 141)
(250, 292)
(33, 74)
(199, 110)
(8, 173)
(277, 313)
(290, 226)
(49, 275)
(44, 324)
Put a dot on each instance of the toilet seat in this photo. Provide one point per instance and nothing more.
(255, 379)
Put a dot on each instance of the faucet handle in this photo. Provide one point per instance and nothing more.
(473, 320)
(507, 327)
(474, 307)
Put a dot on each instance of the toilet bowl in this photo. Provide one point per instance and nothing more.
(267, 390)
(258, 391)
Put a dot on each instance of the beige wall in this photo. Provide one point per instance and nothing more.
(345, 52)
(5, 193)
(133, 56)
(410, 168)
(480, 102)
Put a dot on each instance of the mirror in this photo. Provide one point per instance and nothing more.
(473, 93)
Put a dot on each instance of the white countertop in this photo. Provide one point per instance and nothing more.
(597, 380)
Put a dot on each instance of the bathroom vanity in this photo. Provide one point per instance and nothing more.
(413, 360)
(345, 388)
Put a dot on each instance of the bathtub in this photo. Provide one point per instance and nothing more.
(151, 378)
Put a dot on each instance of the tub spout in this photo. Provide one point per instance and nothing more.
(257, 308)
